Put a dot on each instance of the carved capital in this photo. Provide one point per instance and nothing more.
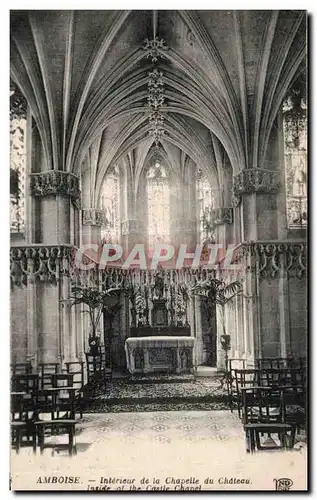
(254, 180)
(94, 217)
(56, 182)
(40, 262)
(132, 226)
(220, 216)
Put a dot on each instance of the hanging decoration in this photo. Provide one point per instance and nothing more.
(156, 97)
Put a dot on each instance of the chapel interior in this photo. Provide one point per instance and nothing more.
(147, 128)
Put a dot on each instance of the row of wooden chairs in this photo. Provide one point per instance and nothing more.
(31, 383)
(269, 400)
(35, 414)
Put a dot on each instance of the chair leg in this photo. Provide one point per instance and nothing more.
(71, 432)
(247, 441)
(18, 439)
(41, 433)
(252, 440)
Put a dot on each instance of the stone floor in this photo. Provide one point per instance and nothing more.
(202, 450)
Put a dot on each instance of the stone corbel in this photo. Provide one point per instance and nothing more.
(94, 217)
(220, 216)
(55, 182)
(254, 180)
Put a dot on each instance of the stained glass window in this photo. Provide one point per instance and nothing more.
(205, 203)
(158, 196)
(110, 204)
(17, 160)
(295, 151)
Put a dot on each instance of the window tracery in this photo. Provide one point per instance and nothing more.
(205, 204)
(295, 153)
(110, 204)
(18, 107)
(158, 197)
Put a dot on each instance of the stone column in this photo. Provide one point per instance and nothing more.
(56, 190)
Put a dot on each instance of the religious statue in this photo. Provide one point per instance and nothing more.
(158, 287)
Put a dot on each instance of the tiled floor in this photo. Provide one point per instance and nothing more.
(203, 450)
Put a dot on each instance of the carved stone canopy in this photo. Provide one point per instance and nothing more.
(56, 182)
(254, 180)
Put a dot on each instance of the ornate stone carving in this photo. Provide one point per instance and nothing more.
(94, 217)
(153, 48)
(44, 263)
(132, 226)
(56, 182)
(254, 180)
(270, 260)
(220, 216)
(155, 100)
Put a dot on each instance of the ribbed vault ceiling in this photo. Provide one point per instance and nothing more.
(85, 74)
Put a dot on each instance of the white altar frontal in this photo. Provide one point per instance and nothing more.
(159, 354)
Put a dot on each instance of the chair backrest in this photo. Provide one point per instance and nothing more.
(46, 371)
(77, 370)
(49, 401)
(262, 405)
(246, 378)
(20, 369)
(62, 380)
(21, 406)
(25, 383)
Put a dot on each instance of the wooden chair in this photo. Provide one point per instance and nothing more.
(231, 383)
(245, 378)
(77, 370)
(46, 372)
(20, 369)
(95, 371)
(27, 383)
(48, 402)
(22, 423)
(263, 412)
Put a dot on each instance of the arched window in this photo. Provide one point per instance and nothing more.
(158, 196)
(110, 204)
(205, 203)
(295, 151)
(18, 107)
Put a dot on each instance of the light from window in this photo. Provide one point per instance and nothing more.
(158, 196)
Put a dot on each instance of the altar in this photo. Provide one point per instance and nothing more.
(159, 354)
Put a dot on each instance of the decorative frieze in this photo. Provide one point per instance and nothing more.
(273, 259)
(220, 216)
(56, 182)
(40, 262)
(132, 226)
(94, 217)
(254, 180)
